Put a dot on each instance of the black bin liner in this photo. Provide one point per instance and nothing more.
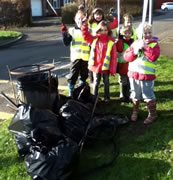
(31, 125)
(75, 118)
(36, 89)
(83, 94)
(57, 163)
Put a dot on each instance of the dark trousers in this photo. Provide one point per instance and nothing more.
(78, 68)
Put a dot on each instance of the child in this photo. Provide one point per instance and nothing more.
(128, 21)
(142, 56)
(96, 17)
(103, 56)
(122, 67)
(79, 51)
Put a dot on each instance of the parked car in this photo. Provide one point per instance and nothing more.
(167, 6)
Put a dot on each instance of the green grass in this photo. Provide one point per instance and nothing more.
(144, 152)
(9, 35)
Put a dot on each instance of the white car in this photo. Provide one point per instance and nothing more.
(167, 6)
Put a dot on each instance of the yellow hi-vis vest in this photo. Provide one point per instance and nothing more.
(79, 48)
(134, 36)
(107, 58)
(142, 65)
(120, 55)
(92, 28)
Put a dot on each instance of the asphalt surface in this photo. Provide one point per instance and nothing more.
(166, 44)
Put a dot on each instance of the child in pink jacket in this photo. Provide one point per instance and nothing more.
(103, 56)
(142, 56)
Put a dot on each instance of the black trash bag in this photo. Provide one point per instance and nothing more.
(82, 93)
(57, 163)
(23, 144)
(75, 118)
(40, 125)
(38, 89)
(45, 127)
(59, 103)
(21, 122)
(107, 125)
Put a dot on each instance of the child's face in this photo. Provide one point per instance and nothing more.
(127, 21)
(147, 35)
(127, 35)
(78, 20)
(103, 31)
(98, 16)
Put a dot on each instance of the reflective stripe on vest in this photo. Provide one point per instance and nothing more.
(92, 28)
(79, 48)
(142, 65)
(134, 36)
(120, 55)
(107, 58)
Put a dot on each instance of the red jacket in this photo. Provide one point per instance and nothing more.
(100, 52)
(151, 54)
(122, 68)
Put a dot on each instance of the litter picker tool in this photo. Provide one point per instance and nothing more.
(81, 143)
(118, 12)
(144, 15)
(150, 21)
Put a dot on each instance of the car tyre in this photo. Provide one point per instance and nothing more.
(165, 10)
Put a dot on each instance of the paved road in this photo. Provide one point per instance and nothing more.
(42, 44)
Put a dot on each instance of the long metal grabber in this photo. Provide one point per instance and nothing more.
(119, 14)
(81, 143)
(144, 15)
(150, 21)
(52, 8)
(9, 100)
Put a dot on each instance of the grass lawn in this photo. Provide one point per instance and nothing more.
(9, 35)
(144, 152)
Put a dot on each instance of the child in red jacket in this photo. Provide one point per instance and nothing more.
(103, 56)
(142, 56)
(123, 44)
(94, 19)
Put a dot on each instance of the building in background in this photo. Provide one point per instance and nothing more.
(47, 7)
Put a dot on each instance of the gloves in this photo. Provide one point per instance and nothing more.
(138, 45)
(63, 29)
(113, 12)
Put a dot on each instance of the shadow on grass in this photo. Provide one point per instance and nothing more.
(161, 83)
(164, 95)
(133, 168)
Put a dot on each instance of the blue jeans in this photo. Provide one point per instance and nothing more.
(142, 90)
(96, 85)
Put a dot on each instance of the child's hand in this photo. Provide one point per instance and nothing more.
(113, 13)
(63, 29)
(141, 44)
(136, 47)
(84, 21)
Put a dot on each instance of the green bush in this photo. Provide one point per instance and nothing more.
(68, 13)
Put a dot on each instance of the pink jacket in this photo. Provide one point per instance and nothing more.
(100, 52)
(151, 54)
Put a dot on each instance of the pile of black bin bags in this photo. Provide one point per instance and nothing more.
(49, 140)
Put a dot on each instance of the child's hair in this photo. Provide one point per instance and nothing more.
(79, 12)
(126, 29)
(147, 27)
(128, 16)
(140, 29)
(81, 7)
(91, 18)
(104, 24)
